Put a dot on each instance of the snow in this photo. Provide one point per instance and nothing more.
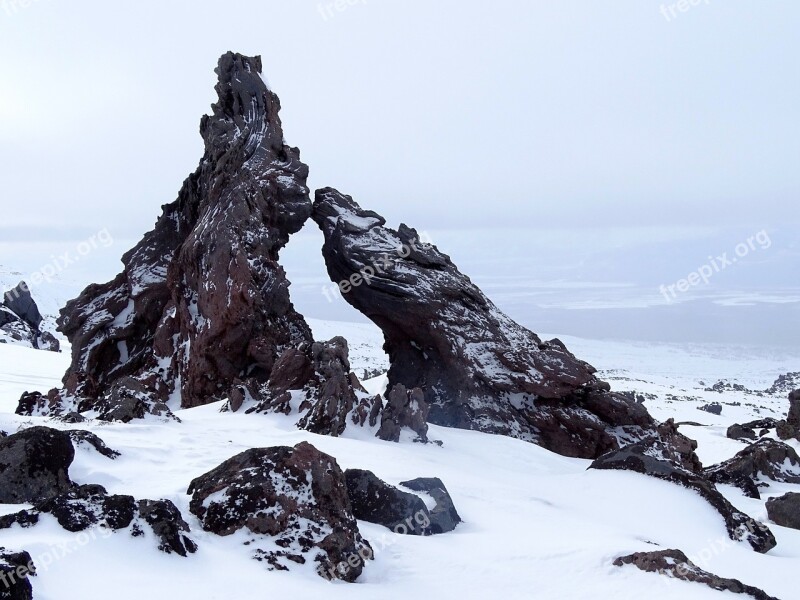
(536, 525)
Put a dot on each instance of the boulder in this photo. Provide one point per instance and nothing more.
(168, 525)
(375, 501)
(785, 510)
(444, 516)
(476, 367)
(404, 409)
(20, 302)
(656, 458)
(715, 408)
(675, 564)
(790, 428)
(292, 498)
(34, 465)
(87, 438)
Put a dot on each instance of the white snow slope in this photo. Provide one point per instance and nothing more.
(536, 525)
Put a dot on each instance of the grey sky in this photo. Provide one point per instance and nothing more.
(447, 113)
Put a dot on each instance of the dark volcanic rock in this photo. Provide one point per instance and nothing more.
(376, 501)
(34, 465)
(444, 516)
(91, 506)
(715, 408)
(657, 458)
(167, 523)
(295, 497)
(675, 563)
(15, 569)
(404, 408)
(740, 432)
(790, 428)
(478, 369)
(785, 510)
(20, 302)
(766, 459)
(87, 438)
(202, 301)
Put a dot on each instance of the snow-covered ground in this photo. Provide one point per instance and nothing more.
(536, 525)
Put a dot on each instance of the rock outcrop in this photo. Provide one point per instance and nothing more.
(790, 428)
(767, 459)
(477, 368)
(675, 564)
(15, 569)
(292, 498)
(657, 457)
(21, 321)
(202, 301)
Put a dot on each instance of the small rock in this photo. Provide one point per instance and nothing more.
(34, 465)
(376, 501)
(785, 510)
(444, 516)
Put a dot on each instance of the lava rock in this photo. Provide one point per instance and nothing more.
(202, 300)
(167, 523)
(715, 408)
(740, 432)
(766, 459)
(790, 428)
(656, 458)
(81, 438)
(20, 302)
(785, 510)
(675, 564)
(296, 498)
(375, 501)
(88, 506)
(444, 516)
(404, 408)
(15, 569)
(477, 368)
(34, 465)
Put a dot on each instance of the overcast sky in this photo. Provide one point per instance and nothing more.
(441, 114)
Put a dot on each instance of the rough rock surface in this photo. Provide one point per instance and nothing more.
(34, 465)
(21, 321)
(658, 458)
(478, 369)
(89, 506)
(751, 430)
(674, 563)
(202, 301)
(766, 459)
(444, 516)
(785, 510)
(87, 438)
(376, 501)
(293, 498)
(15, 569)
(790, 428)
(404, 408)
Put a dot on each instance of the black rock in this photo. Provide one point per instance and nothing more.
(675, 564)
(740, 432)
(444, 516)
(88, 506)
(34, 465)
(20, 302)
(766, 459)
(15, 569)
(656, 458)
(167, 523)
(785, 510)
(715, 408)
(81, 437)
(375, 501)
(477, 368)
(404, 408)
(295, 498)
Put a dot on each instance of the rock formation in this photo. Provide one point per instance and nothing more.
(294, 499)
(675, 564)
(790, 428)
(767, 459)
(477, 368)
(444, 516)
(34, 465)
(21, 321)
(15, 569)
(785, 510)
(202, 301)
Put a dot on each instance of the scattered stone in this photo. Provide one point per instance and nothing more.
(785, 510)
(295, 498)
(675, 564)
(444, 516)
(375, 501)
